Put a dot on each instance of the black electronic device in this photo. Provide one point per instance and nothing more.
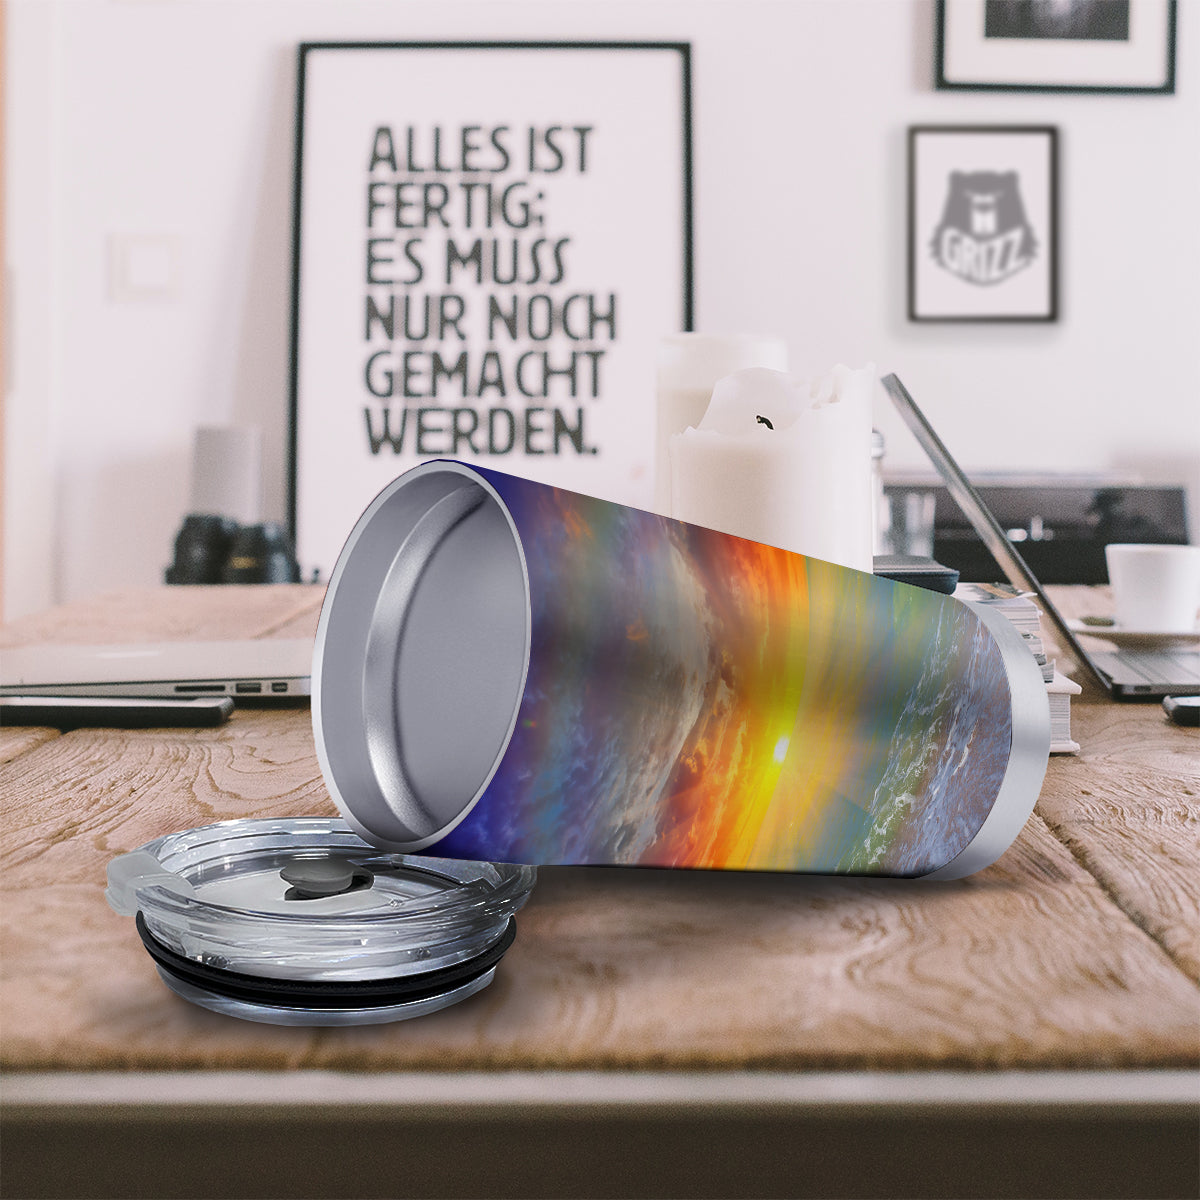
(261, 554)
(920, 572)
(113, 712)
(201, 549)
(214, 549)
(1183, 710)
(1060, 522)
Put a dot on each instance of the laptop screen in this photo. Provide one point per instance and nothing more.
(986, 525)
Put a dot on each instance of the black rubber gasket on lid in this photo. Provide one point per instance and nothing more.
(325, 994)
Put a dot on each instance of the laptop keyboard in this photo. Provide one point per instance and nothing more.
(1151, 666)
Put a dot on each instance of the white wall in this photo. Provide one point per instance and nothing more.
(174, 118)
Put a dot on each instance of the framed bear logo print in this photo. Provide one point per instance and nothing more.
(982, 223)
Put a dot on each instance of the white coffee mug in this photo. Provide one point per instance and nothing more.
(1156, 588)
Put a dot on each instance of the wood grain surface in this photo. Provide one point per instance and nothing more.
(201, 613)
(1138, 833)
(1128, 807)
(16, 740)
(1077, 949)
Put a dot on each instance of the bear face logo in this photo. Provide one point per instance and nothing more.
(984, 236)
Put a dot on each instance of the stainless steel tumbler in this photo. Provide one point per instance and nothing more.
(512, 672)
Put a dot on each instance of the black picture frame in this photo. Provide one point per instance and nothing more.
(989, 284)
(968, 59)
(306, 478)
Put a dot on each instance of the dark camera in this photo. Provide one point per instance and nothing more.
(212, 549)
(201, 548)
(261, 554)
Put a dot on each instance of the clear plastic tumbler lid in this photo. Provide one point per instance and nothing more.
(300, 921)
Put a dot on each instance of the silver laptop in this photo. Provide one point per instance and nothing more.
(245, 669)
(1125, 674)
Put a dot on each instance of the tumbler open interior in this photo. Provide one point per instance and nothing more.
(421, 656)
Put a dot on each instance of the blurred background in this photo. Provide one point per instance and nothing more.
(148, 159)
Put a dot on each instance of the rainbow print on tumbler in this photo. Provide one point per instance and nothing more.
(512, 672)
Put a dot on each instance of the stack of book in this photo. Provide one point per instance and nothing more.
(1026, 618)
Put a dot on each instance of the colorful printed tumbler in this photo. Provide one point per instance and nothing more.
(512, 672)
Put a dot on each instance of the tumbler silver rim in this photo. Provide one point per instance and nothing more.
(407, 751)
(1028, 756)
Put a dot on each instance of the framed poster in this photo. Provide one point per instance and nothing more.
(1056, 45)
(489, 241)
(982, 223)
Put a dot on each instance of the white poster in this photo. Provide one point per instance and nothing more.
(490, 241)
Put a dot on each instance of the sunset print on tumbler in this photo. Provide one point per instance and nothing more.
(515, 672)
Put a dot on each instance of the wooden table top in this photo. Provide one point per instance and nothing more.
(1079, 949)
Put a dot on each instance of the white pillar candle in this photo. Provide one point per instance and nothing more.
(784, 461)
(227, 472)
(688, 366)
